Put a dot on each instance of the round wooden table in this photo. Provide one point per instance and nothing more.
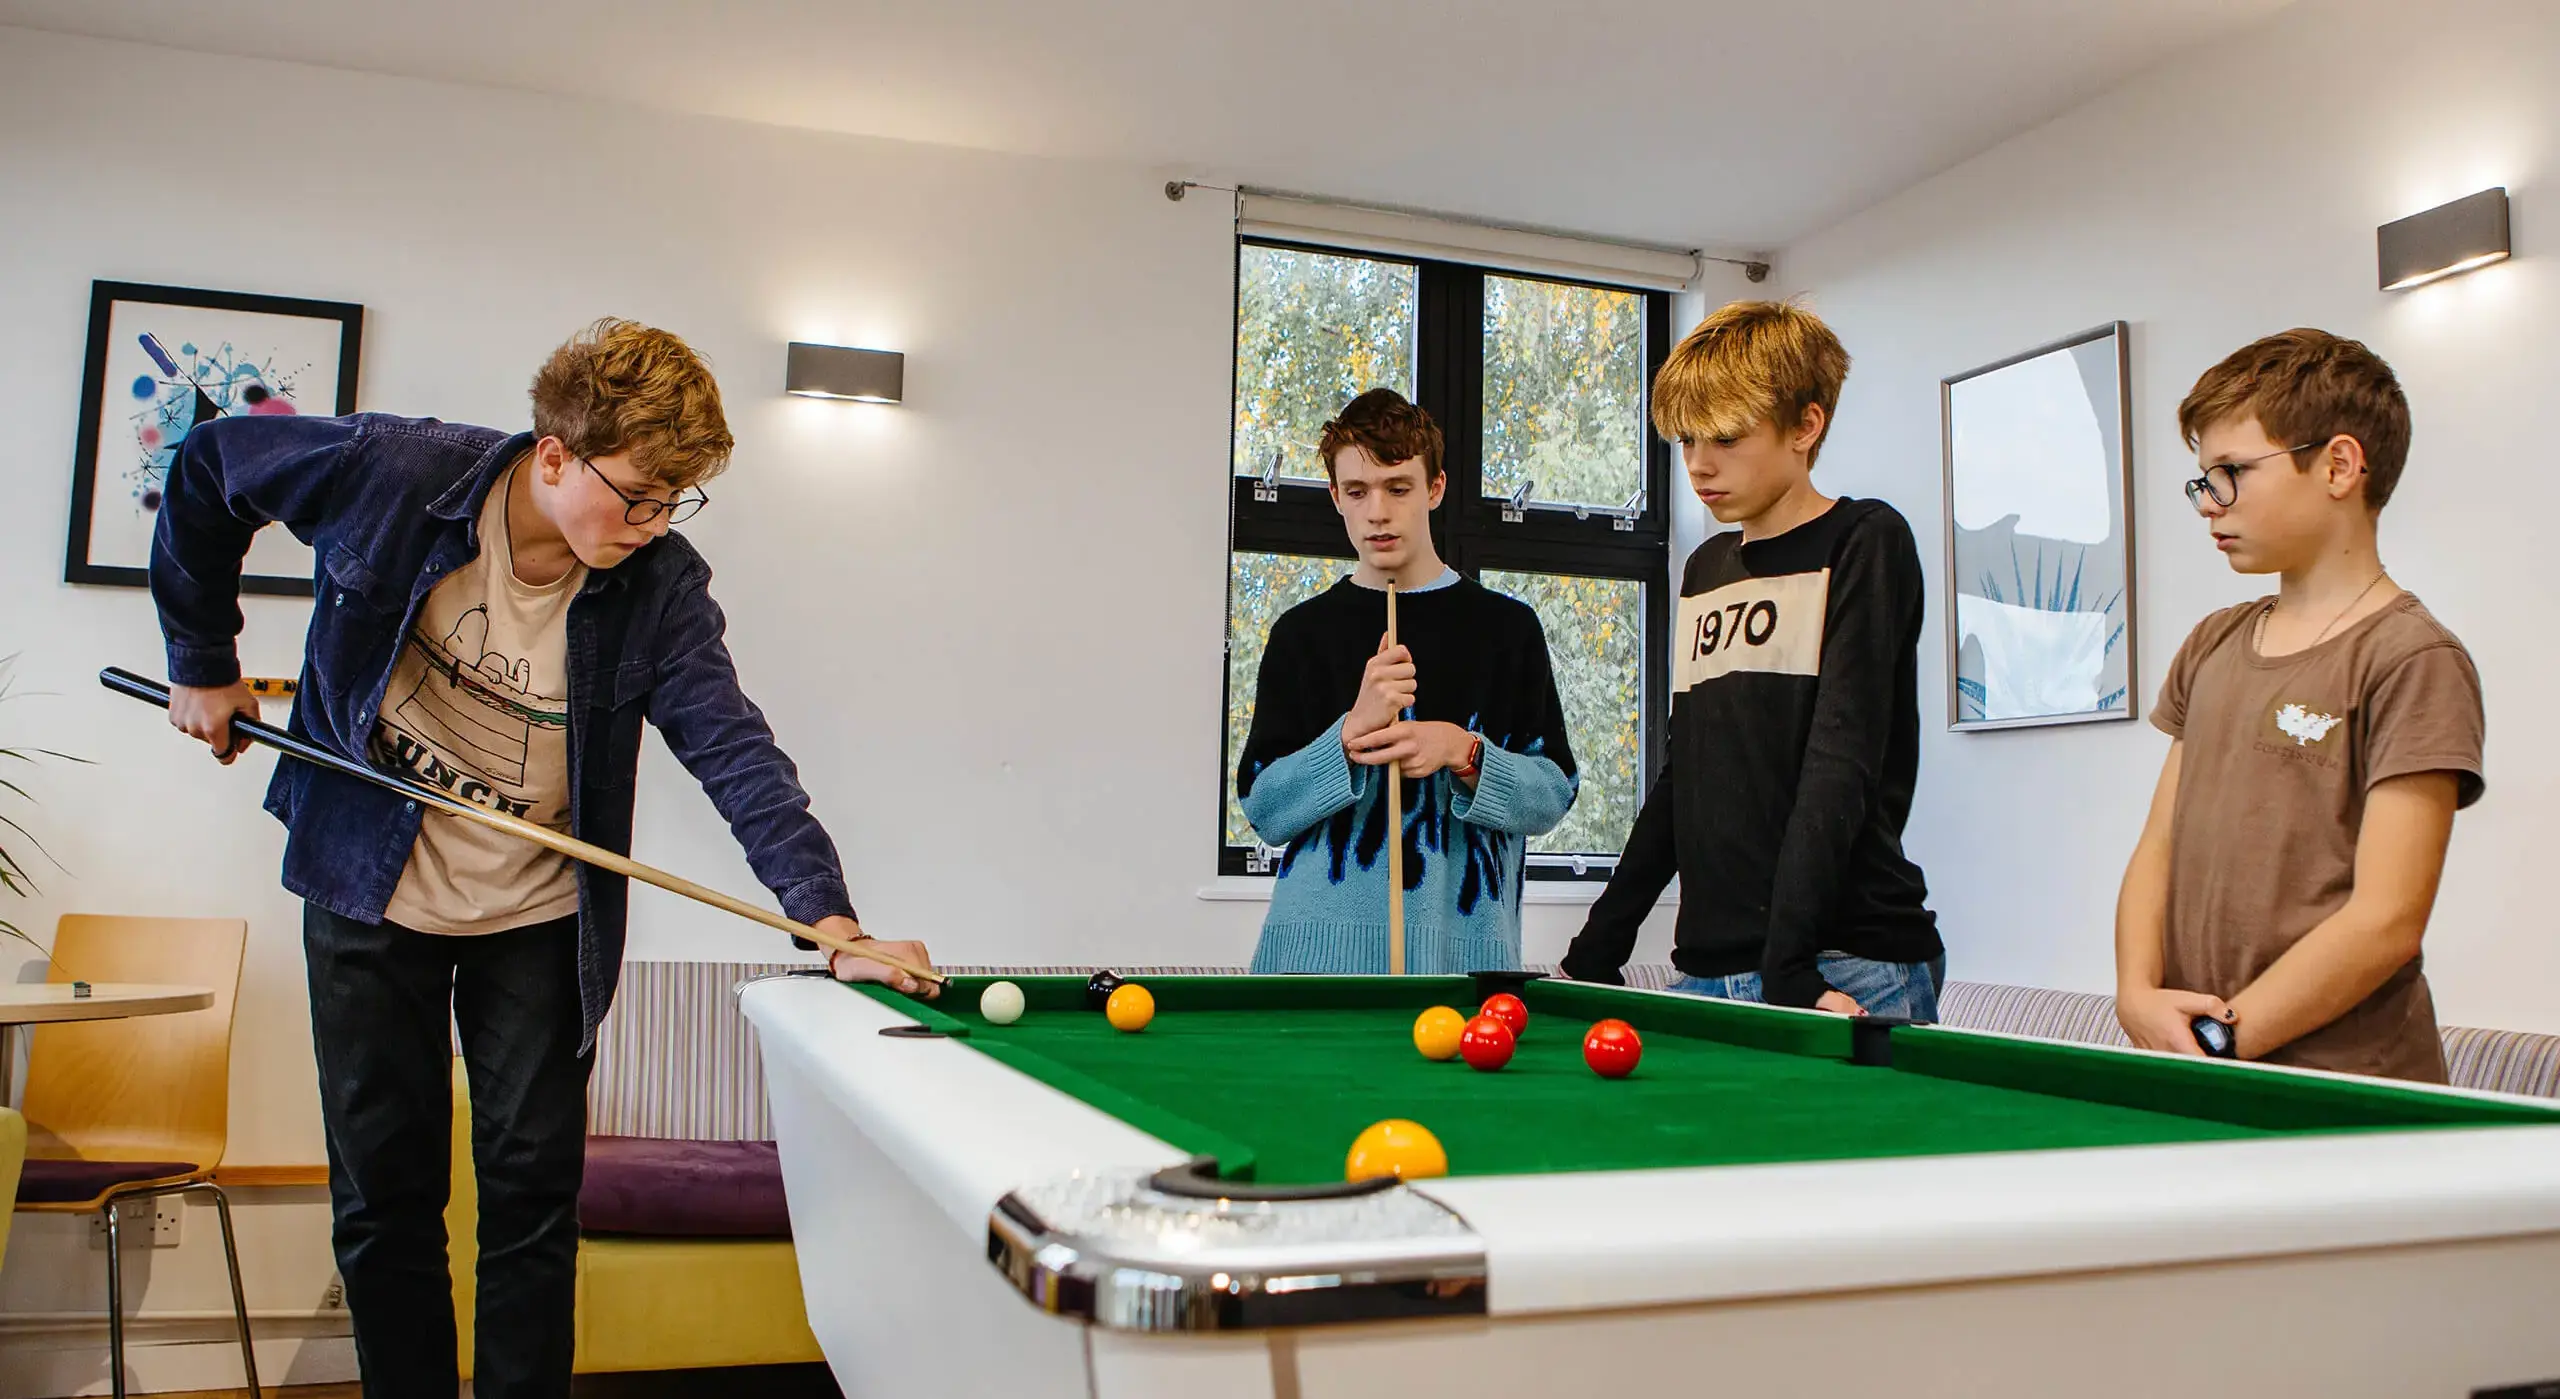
(52, 1002)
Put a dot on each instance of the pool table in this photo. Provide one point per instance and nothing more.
(1776, 1202)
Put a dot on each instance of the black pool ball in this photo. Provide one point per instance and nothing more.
(1097, 991)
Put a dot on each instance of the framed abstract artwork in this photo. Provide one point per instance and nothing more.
(163, 360)
(2040, 536)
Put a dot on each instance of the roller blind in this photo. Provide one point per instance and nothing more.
(1412, 235)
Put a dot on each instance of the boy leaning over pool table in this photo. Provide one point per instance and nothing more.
(496, 615)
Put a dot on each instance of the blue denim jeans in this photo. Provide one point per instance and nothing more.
(1908, 989)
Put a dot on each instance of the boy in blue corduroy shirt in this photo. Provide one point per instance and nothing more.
(1465, 708)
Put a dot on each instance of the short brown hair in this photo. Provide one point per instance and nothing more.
(1385, 424)
(1749, 363)
(2306, 387)
(619, 385)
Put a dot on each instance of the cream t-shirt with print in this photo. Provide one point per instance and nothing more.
(479, 707)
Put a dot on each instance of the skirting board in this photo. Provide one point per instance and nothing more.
(70, 1363)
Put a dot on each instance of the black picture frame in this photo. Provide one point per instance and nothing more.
(104, 297)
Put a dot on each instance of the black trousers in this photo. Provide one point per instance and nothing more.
(382, 998)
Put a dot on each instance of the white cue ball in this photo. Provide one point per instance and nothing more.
(1001, 1003)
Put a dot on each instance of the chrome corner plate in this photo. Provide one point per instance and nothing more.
(1119, 1251)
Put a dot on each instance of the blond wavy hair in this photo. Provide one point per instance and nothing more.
(1749, 363)
(618, 385)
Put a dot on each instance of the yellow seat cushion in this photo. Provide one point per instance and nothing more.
(675, 1304)
(648, 1304)
(13, 1158)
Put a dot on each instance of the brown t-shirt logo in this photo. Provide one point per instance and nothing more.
(2303, 724)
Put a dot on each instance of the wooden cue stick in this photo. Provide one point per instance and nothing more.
(126, 682)
(1395, 831)
(602, 858)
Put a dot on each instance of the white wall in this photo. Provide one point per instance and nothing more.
(2232, 194)
(987, 623)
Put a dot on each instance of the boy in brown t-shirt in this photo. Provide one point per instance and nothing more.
(2324, 738)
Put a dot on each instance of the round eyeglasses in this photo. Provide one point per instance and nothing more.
(641, 509)
(2221, 481)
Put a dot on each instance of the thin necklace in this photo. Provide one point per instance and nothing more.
(2269, 610)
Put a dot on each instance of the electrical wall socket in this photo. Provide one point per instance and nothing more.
(158, 1219)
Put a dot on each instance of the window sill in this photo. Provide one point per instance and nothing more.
(1253, 889)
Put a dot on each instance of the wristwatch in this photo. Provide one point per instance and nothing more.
(2215, 1038)
(1475, 754)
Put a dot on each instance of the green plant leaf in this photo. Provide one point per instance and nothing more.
(13, 930)
(14, 878)
(31, 840)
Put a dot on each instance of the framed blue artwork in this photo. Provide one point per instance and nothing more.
(163, 360)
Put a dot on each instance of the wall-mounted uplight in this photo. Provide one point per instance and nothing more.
(835, 371)
(2449, 238)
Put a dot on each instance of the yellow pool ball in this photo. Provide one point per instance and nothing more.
(1396, 1147)
(1436, 1032)
(1130, 1008)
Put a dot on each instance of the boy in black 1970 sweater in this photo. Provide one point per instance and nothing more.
(1795, 722)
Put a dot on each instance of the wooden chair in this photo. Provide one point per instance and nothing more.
(136, 1108)
(13, 1153)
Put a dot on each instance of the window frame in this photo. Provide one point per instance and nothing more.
(1469, 530)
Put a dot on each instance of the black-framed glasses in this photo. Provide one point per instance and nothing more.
(2222, 479)
(641, 509)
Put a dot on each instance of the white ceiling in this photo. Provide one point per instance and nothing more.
(1737, 125)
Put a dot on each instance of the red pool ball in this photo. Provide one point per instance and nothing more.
(1612, 1049)
(1510, 1010)
(1486, 1044)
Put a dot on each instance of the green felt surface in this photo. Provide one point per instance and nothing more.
(1276, 1075)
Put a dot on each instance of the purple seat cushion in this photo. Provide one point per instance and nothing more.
(640, 1185)
(67, 1182)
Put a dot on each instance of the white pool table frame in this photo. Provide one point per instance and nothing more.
(2350, 1264)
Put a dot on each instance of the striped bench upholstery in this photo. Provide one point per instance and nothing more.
(676, 1060)
(2507, 1061)
(2496, 1061)
(2085, 1016)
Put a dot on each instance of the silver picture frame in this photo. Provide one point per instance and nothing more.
(2038, 450)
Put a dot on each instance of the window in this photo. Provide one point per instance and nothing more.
(1259, 588)
(1556, 489)
(1564, 386)
(1595, 643)
(1313, 330)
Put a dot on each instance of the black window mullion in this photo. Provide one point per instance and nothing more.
(1300, 511)
(1448, 368)
(1662, 472)
(1638, 563)
(1562, 530)
(1657, 679)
